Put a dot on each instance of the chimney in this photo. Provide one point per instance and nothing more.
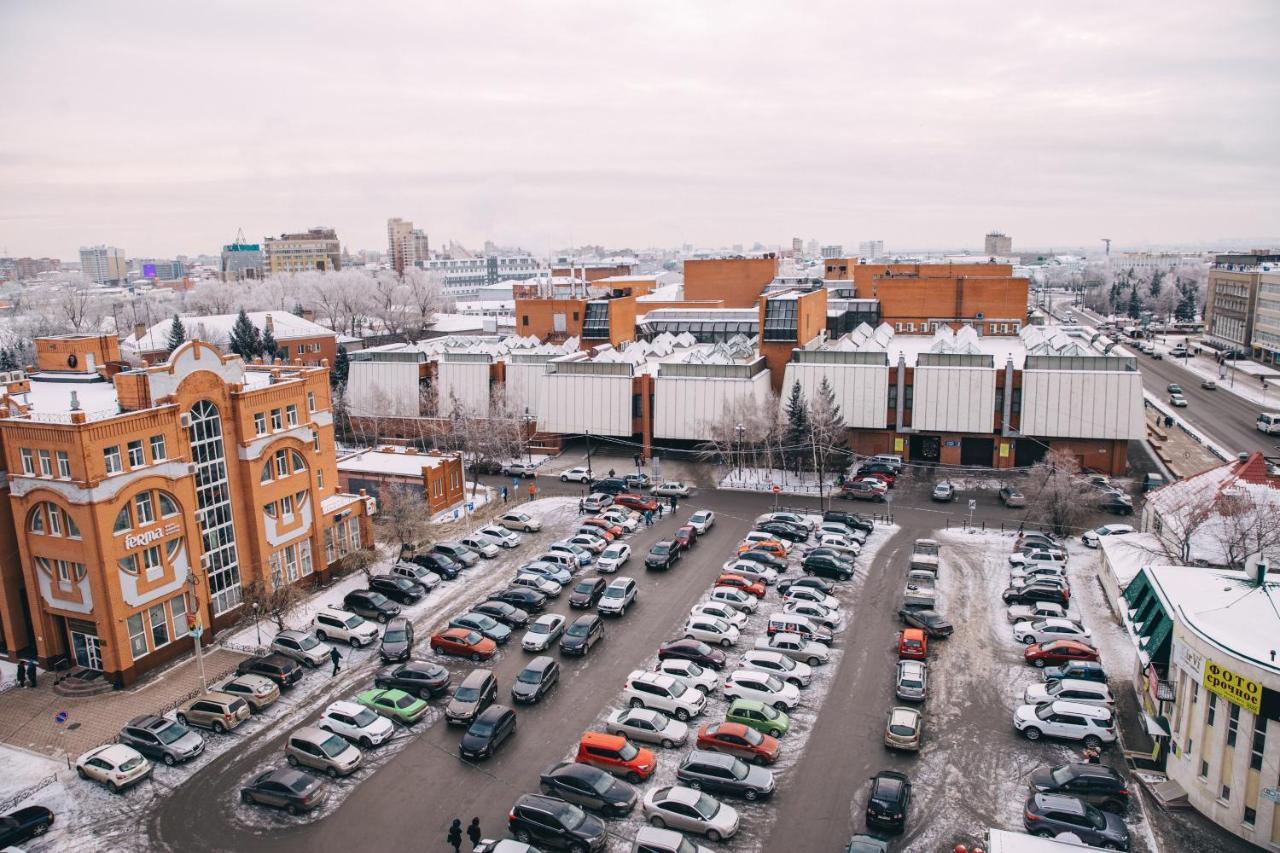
(75, 402)
(270, 324)
(139, 329)
(1260, 579)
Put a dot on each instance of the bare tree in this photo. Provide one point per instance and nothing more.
(1248, 523)
(1060, 498)
(402, 519)
(264, 598)
(425, 294)
(389, 304)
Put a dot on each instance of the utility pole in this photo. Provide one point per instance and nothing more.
(739, 430)
(528, 435)
(197, 627)
(589, 474)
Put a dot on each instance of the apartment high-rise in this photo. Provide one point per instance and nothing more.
(103, 264)
(833, 250)
(871, 249)
(997, 245)
(241, 261)
(406, 246)
(314, 249)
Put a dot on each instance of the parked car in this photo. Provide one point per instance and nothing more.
(588, 787)
(507, 614)
(457, 552)
(436, 564)
(786, 586)
(760, 716)
(115, 765)
(1094, 725)
(720, 610)
(912, 682)
(648, 726)
(778, 564)
(850, 519)
(494, 727)
(395, 705)
(748, 585)
(1069, 690)
(686, 537)
(1057, 652)
(616, 755)
(637, 481)
(539, 677)
(668, 488)
(356, 723)
(784, 530)
(258, 691)
(486, 626)
(778, 665)
(419, 574)
(620, 594)
(543, 632)
(614, 557)
(944, 491)
(739, 740)
(702, 520)
(690, 810)
(330, 623)
(1012, 497)
(1116, 503)
(662, 555)
(159, 739)
(538, 583)
(1035, 592)
(1096, 784)
(321, 750)
(463, 642)
(221, 712)
(520, 469)
(663, 693)
(636, 502)
(517, 520)
(477, 691)
(397, 640)
(890, 801)
(756, 572)
(831, 621)
(753, 684)
(735, 598)
(1090, 538)
(710, 630)
(285, 788)
(1084, 670)
(302, 647)
(694, 650)
(528, 600)
(281, 670)
(24, 824)
(610, 486)
(904, 729)
(423, 678)
(582, 635)
(858, 490)
(552, 822)
(501, 535)
(1047, 630)
(1035, 610)
(596, 501)
(370, 605)
(698, 677)
(912, 644)
(795, 647)
(483, 545)
(827, 566)
(586, 592)
(578, 474)
(725, 774)
(933, 623)
(1049, 815)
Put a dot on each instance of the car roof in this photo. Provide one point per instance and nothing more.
(746, 704)
(687, 796)
(912, 665)
(540, 663)
(904, 715)
(337, 612)
(1060, 803)
(1097, 712)
(344, 707)
(660, 679)
(1083, 684)
(703, 756)
(116, 753)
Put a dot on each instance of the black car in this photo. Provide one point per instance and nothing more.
(397, 588)
(285, 672)
(495, 725)
(285, 788)
(485, 466)
(662, 556)
(25, 824)
(784, 530)
(370, 605)
(850, 519)
(811, 582)
(877, 468)
(931, 622)
(609, 486)
(420, 678)
(537, 678)
(889, 801)
(528, 600)
(1052, 814)
(1082, 670)
(438, 563)
(587, 592)
(694, 650)
(397, 640)
(764, 558)
(1096, 784)
(551, 822)
(1116, 503)
(1034, 592)
(582, 634)
(503, 612)
(589, 787)
(827, 566)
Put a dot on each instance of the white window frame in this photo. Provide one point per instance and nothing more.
(158, 450)
(304, 557)
(137, 636)
(46, 463)
(260, 423)
(64, 465)
(28, 462)
(311, 401)
(277, 423)
(147, 515)
(111, 459)
(291, 415)
(178, 615)
(137, 456)
(152, 612)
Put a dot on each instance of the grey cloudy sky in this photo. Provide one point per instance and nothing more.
(162, 127)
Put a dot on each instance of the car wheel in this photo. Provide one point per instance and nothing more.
(780, 706)
(475, 657)
(522, 836)
(1043, 833)
(814, 661)
(695, 784)
(246, 798)
(666, 744)
(682, 715)
(182, 718)
(219, 727)
(750, 794)
(382, 618)
(321, 635)
(293, 762)
(115, 789)
(633, 778)
(41, 829)
(355, 643)
(712, 835)
(578, 847)
(1092, 742)
(424, 694)
(725, 643)
(169, 760)
(1039, 664)
(1028, 639)
(331, 772)
(437, 650)
(637, 703)
(563, 478)
(776, 733)
(80, 772)
(1031, 733)
(292, 810)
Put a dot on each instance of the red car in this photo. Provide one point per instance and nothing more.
(636, 502)
(887, 479)
(747, 585)
(612, 529)
(1058, 652)
(740, 741)
(463, 643)
(686, 537)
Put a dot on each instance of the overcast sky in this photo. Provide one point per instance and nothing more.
(162, 127)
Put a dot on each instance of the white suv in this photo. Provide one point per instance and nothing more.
(735, 598)
(763, 687)
(1092, 724)
(721, 611)
(779, 666)
(618, 596)
(697, 677)
(357, 724)
(710, 630)
(330, 623)
(663, 693)
(578, 475)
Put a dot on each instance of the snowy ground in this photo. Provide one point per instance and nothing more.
(764, 479)
(756, 818)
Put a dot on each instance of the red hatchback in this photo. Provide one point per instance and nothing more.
(739, 582)
(463, 643)
(1058, 652)
(686, 537)
(636, 502)
(738, 740)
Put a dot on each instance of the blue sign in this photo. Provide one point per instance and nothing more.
(471, 506)
(515, 481)
(197, 631)
(60, 717)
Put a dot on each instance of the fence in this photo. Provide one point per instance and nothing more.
(26, 793)
(193, 693)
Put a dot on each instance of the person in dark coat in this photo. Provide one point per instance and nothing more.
(335, 657)
(455, 835)
(661, 510)
(473, 831)
(582, 506)
(31, 672)
(674, 503)
(22, 673)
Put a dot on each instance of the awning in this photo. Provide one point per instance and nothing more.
(1155, 726)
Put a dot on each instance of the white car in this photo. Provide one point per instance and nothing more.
(115, 765)
(546, 586)
(1037, 610)
(1068, 690)
(839, 544)
(517, 520)
(778, 665)
(710, 630)
(543, 632)
(817, 596)
(795, 647)
(647, 725)
(302, 647)
(1050, 629)
(672, 487)
(752, 571)
(689, 810)
(695, 676)
(755, 536)
(330, 623)
(1038, 558)
(817, 614)
(358, 724)
(614, 557)
(835, 528)
(1092, 724)
(577, 475)
(596, 501)
(624, 518)
(502, 537)
(594, 544)
(620, 594)
(1090, 537)
(720, 610)
(1032, 572)
(735, 598)
(663, 693)
(583, 556)
(702, 521)
(753, 684)
(482, 545)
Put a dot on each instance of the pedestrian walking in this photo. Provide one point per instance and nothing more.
(31, 672)
(22, 673)
(504, 494)
(675, 502)
(582, 506)
(473, 832)
(648, 518)
(660, 511)
(455, 835)
(335, 657)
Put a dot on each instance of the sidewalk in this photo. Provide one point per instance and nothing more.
(1183, 455)
(27, 717)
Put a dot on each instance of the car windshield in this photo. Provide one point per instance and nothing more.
(1054, 688)
(614, 592)
(530, 676)
(467, 694)
(700, 648)
(578, 629)
(353, 622)
(333, 746)
(770, 713)
(481, 728)
(171, 732)
(773, 684)
(484, 622)
(659, 550)
(405, 701)
(366, 717)
(393, 635)
(692, 669)
(600, 783)
(585, 586)
(613, 552)
(910, 681)
(628, 751)
(308, 642)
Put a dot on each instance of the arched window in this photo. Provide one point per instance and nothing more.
(219, 557)
(145, 508)
(49, 519)
(281, 464)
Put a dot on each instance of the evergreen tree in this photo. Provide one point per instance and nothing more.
(341, 367)
(828, 432)
(244, 340)
(270, 348)
(1185, 311)
(796, 438)
(297, 309)
(8, 361)
(177, 333)
(1157, 279)
(1135, 303)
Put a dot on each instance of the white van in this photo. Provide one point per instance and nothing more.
(1269, 422)
(892, 459)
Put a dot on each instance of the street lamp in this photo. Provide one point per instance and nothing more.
(739, 429)
(528, 434)
(590, 476)
(257, 624)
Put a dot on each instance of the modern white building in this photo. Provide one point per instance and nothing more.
(103, 264)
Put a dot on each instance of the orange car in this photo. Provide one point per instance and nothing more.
(604, 525)
(769, 546)
(912, 644)
(738, 740)
(755, 588)
(463, 643)
(617, 755)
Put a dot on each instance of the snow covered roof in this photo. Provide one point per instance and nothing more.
(50, 399)
(1128, 554)
(399, 461)
(216, 329)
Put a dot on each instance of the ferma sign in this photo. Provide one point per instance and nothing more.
(1234, 688)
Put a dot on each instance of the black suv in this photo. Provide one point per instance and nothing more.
(663, 555)
(827, 566)
(505, 613)
(1082, 670)
(889, 801)
(582, 634)
(528, 600)
(587, 592)
(397, 588)
(438, 563)
(850, 519)
(1052, 814)
(285, 672)
(1096, 784)
(422, 678)
(370, 605)
(1034, 592)
(610, 486)
(784, 530)
(931, 622)
(550, 822)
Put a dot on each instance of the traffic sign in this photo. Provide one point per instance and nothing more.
(973, 505)
(197, 631)
(1272, 794)
(777, 489)
(60, 717)
(471, 506)
(515, 481)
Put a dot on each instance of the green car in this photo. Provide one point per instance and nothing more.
(759, 716)
(396, 704)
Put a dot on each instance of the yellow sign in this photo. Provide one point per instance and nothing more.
(1234, 688)
(899, 444)
(1004, 450)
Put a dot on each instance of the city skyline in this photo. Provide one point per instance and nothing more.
(1055, 130)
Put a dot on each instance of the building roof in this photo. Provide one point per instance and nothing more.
(216, 329)
(1128, 554)
(400, 461)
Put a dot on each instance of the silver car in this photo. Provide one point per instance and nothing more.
(304, 648)
(913, 680)
(647, 725)
(690, 810)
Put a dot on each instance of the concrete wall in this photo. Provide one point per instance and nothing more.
(861, 390)
(573, 403)
(385, 388)
(1082, 404)
(467, 382)
(684, 406)
(954, 399)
